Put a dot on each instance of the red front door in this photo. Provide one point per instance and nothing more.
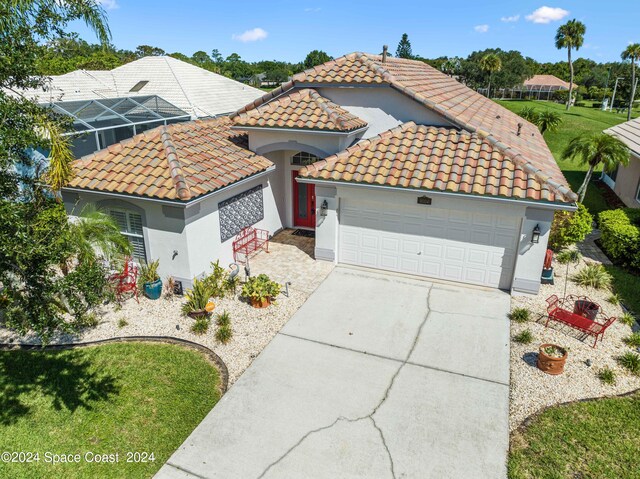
(304, 203)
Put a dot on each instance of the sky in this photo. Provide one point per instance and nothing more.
(288, 30)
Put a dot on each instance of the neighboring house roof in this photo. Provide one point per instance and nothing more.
(432, 158)
(199, 92)
(548, 81)
(629, 133)
(177, 162)
(301, 109)
(518, 139)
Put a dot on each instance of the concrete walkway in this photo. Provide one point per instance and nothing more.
(375, 376)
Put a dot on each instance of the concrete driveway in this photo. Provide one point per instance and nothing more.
(375, 376)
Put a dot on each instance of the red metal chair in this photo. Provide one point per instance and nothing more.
(126, 281)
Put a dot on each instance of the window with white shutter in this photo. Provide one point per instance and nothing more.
(130, 225)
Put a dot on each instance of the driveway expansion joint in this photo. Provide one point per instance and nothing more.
(375, 409)
(186, 471)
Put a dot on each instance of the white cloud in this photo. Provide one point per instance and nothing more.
(547, 15)
(252, 35)
(512, 18)
(108, 4)
(481, 28)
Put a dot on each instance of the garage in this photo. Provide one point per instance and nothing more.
(448, 244)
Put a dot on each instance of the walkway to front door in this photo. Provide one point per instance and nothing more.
(376, 376)
(304, 203)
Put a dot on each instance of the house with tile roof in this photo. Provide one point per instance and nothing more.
(394, 166)
(197, 91)
(625, 180)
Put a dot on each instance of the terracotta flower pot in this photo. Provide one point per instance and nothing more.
(549, 364)
(256, 303)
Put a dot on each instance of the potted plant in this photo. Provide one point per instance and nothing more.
(551, 358)
(150, 279)
(197, 299)
(260, 290)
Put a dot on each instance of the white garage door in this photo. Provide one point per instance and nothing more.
(422, 240)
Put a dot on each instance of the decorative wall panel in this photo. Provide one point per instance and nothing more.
(239, 211)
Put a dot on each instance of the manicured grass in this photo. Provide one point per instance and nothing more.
(116, 398)
(627, 286)
(574, 122)
(594, 439)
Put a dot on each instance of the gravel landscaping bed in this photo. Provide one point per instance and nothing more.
(252, 328)
(531, 389)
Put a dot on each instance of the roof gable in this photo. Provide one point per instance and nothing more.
(432, 158)
(177, 162)
(520, 140)
(301, 109)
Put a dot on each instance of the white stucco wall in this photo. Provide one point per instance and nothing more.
(530, 257)
(203, 227)
(382, 107)
(162, 234)
(193, 232)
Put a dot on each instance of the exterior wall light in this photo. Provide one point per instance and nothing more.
(535, 235)
(323, 208)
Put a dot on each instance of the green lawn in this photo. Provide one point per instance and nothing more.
(116, 398)
(588, 440)
(576, 121)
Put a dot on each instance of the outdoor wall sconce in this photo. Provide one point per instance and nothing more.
(323, 208)
(535, 235)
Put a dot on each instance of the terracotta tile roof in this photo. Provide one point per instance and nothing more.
(548, 81)
(302, 109)
(177, 162)
(432, 158)
(463, 107)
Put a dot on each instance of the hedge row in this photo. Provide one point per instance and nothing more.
(621, 235)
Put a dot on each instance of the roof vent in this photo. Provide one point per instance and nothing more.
(519, 129)
(139, 86)
(384, 53)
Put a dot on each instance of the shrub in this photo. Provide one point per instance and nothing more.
(197, 297)
(169, 287)
(224, 334)
(200, 326)
(614, 299)
(223, 319)
(520, 315)
(529, 113)
(88, 320)
(593, 276)
(620, 236)
(630, 361)
(122, 322)
(149, 272)
(627, 319)
(524, 337)
(218, 281)
(260, 288)
(607, 376)
(633, 340)
(570, 227)
(568, 256)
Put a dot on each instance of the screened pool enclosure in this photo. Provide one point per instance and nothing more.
(102, 122)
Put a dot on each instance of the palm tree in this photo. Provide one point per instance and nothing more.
(530, 114)
(490, 63)
(95, 232)
(596, 149)
(570, 35)
(27, 14)
(632, 52)
(548, 120)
